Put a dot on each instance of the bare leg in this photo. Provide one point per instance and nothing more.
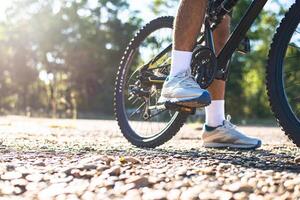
(188, 23)
(221, 34)
(215, 113)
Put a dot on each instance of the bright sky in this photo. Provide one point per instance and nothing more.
(3, 6)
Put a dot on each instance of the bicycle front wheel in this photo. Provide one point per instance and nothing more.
(283, 74)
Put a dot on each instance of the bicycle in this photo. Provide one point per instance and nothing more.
(146, 64)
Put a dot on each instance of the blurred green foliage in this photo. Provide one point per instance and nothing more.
(58, 60)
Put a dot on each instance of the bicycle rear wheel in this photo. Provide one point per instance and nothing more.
(283, 74)
(135, 94)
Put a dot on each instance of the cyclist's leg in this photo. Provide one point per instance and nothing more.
(215, 113)
(180, 86)
(188, 22)
(219, 132)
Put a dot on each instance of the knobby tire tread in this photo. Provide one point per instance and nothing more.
(284, 116)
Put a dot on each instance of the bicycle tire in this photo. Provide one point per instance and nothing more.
(274, 73)
(173, 126)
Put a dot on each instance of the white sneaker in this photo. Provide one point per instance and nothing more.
(227, 136)
(182, 89)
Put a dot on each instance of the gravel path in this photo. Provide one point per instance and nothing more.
(66, 159)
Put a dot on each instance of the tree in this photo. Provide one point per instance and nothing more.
(77, 45)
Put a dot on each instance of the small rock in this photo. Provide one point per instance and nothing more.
(34, 177)
(40, 164)
(223, 195)
(173, 194)
(51, 191)
(75, 173)
(138, 181)
(240, 187)
(290, 184)
(89, 167)
(107, 159)
(181, 171)
(114, 171)
(206, 196)
(102, 168)
(208, 171)
(127, 187)
(297, 159)
(7, 189)
(224, 166)
(133, 194)
(11, 175)
(240, 196)
(155, 194)
(191, 193)
(19, 182)
(131, 160)
(10, 167)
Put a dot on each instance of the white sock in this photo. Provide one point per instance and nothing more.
(215, 113)
(181, 62)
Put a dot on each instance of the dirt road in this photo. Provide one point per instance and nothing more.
(89, 159)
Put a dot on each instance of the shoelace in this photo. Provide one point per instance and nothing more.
(188, 80)
(228, 124)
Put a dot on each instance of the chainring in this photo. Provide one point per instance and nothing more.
(204, 66)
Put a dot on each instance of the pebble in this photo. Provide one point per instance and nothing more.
(10, 175)
(34, 177)
(239, 187)
(208, 171)
(191, 193)
(130, 159)
(223, 195)
(113, 171)
(297, 160)
(155, 195)
(41, 164)
(116, 170)
(133, 194)
(89, 167)
(138, 181)
(174, 194)
(207, 195)
(240, 196)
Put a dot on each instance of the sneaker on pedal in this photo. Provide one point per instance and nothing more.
(228, 136)
(183, 90)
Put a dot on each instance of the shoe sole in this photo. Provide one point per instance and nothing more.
(191, 104)
(198, 102)
(231, 146)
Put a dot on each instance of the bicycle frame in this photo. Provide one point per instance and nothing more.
(237, 36)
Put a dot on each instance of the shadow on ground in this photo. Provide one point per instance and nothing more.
(269, 158)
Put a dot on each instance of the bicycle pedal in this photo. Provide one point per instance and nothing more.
(180, 108)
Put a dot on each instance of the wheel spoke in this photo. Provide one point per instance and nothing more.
(135, 101)
(137, 110)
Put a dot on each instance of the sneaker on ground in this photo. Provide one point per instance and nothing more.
(228, 136)
(182, 89)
